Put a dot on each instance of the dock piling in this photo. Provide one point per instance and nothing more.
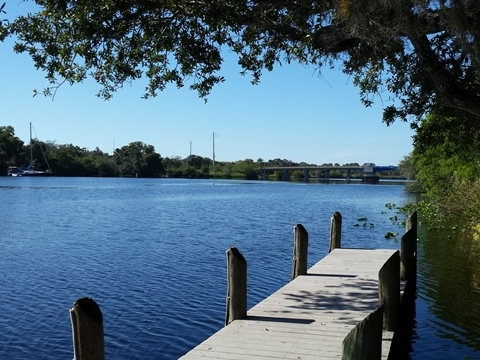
(389, 291)
(300, 251)
(364, 341)
(87, 330)
(335, 231)
(408, 250)
(236, 286)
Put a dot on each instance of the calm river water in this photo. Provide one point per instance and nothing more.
(151, 253)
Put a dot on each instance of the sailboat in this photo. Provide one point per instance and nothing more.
(30, 169)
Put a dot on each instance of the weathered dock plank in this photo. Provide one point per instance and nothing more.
(309, 317)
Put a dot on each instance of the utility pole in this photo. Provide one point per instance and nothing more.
(214, 149)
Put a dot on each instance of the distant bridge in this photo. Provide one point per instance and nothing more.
(369, 170)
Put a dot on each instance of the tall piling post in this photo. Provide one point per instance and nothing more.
(87, 330)
(300, 251)
(236, 286)
(408, 250)
(335, 231)
(364, 341)
(389, 292)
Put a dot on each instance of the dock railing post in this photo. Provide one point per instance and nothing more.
(364, 341)
(236, 286)
(408, 250)
(389, 291)
(335, 231)
(87, 330)
(300, 251)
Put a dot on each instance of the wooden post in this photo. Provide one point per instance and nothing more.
(364, 341)
(408, 250)
(87, 329)
(237, 286)
(300, 250)
(335, 231)
(389, 291)
(412, 222)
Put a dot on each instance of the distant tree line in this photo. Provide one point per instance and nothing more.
(138, 159)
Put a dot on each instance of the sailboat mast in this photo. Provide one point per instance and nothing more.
(31, 146)
(214, 149)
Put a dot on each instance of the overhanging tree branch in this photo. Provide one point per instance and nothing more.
(426, 54)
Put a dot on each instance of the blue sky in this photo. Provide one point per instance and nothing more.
(294, 113)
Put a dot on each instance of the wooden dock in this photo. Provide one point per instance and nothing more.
(345, 306)
(309, 317)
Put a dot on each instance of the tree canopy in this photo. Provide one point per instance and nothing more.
(139, 159)
(415, 56)
(11, 148)
(445, 160)
(446, 148)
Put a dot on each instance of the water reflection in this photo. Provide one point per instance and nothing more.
(448, 291)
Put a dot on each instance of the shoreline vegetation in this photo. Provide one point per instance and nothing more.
(138, 159)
